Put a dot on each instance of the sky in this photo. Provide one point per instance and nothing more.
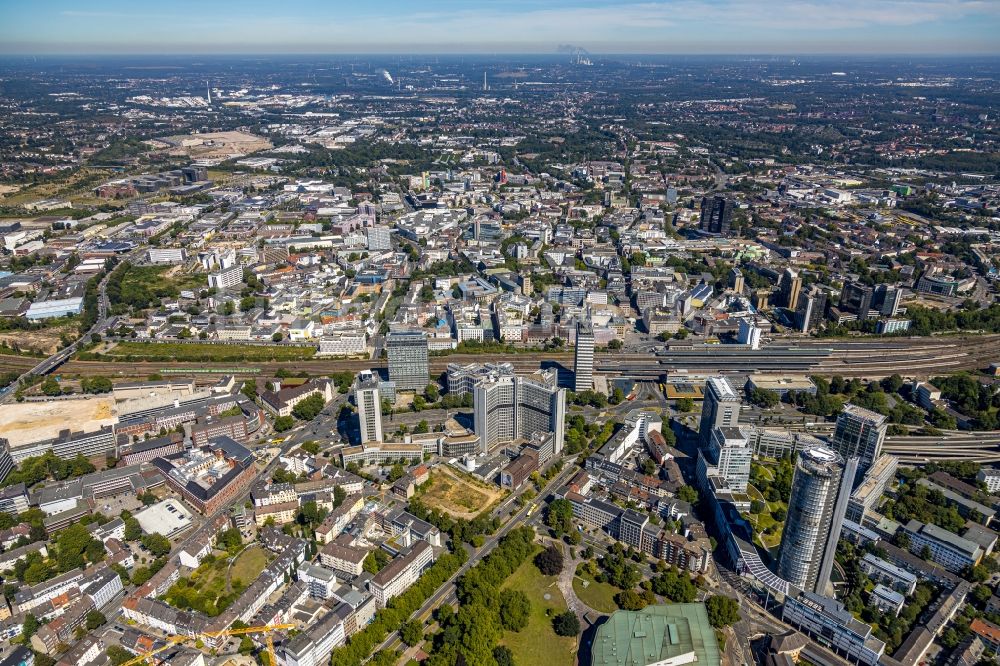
(941, 27)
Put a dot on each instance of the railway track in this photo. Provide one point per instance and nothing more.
(919, 357)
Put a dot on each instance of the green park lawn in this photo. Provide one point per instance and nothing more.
(537, 643)
(599, 596)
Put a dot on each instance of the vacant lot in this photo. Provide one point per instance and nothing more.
(171, 351)
(141, 287)
(538, 643)
(44, 341)
(21, 423)
(248, 566)
(459, 496)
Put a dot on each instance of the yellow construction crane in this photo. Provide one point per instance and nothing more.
(171, 641)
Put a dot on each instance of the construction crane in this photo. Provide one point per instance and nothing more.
(171, 641)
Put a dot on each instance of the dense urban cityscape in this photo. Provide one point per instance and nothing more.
(494, 360)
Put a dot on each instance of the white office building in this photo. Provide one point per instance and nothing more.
(583, 357)
(509, 407)
(366, 394)
(226, 278)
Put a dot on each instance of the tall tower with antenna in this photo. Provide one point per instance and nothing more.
(208, 92)
(485, 85)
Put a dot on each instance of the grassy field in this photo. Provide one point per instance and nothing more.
(537, 643)
(248, 565)
(169, 351)
(599, 596)
(164, 278)
(457, 495)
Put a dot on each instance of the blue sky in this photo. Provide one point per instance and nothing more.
(505, 26)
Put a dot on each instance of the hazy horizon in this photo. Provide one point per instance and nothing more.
(439, 27)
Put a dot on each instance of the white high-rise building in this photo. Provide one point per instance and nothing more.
(748, 334)
(509, 407)
(583, 357)
(379, 238)
(366, 394)
(730, 451)
(821, 489)
(720, 409)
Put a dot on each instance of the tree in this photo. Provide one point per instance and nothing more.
(630, 600)
(685, 405)
(95, 619)
(231, 540)
(247, 303)
(722, 611)
(432, 393)
(133, 531)
(118, 655)
(396, 472)
(309, 408)
(503, 656)
(157, 544)
(29, 627)
(375, 561)
(50, 387)
(311, 447)
(514, 610)
(559, 515)
(283, 423)
(277, 337)
(566, 624)
(411, 632)
(615, 344)
(550, 561)
(763, 398)
(687, 494)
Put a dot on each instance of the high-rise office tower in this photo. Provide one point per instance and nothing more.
(811, 310)
(583, 357)
(407, 352)
(886, 300)
(369, 401)
(717, 214)
(509, 407)
(859, 434)
(736, 281)
(857, 298)
(729, 450)
(748, 333)
(720, 408)
(821, 488)
(791, 287)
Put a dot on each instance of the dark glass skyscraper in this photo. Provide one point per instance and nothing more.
(717, 214)
(408, 367)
